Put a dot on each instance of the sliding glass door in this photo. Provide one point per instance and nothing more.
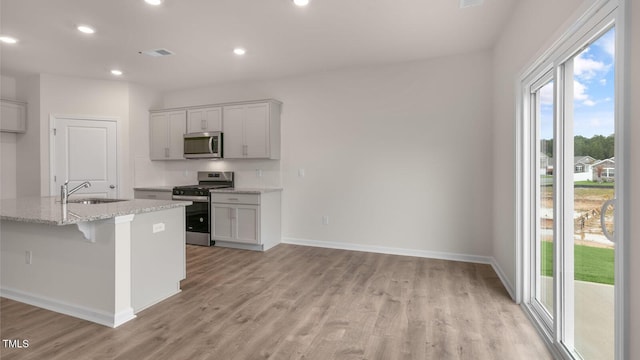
(570, 186)
(589, 192)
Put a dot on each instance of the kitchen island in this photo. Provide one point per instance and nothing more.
(100, 262)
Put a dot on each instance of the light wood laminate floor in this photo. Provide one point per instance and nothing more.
(296, 302)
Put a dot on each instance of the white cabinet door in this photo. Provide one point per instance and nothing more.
(222, 222)
(166, 131)
(246, 224)
(204, 120)
(177, 129)
(233, 136)
(235, 223)
(13, 116)
(247, 131)
(158, 136)
(256, 131)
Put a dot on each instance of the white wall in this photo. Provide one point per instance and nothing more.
(61, 95)
(28, 144)
(528, 32)
(145, 172)
(7, 146)
(397, 156)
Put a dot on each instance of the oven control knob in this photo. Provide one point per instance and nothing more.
(201, 219)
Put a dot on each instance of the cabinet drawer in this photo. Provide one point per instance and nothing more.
(227, 198)
(153, 195)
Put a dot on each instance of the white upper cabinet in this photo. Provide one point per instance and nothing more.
(207, 119)
(166, 131)
(13, 116)
(252, 130)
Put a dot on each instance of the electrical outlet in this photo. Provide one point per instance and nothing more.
(28, 257)
(301, 173)
(158, 227)
(258, 173)
(325, 220)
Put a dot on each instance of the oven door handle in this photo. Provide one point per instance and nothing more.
(198, 199)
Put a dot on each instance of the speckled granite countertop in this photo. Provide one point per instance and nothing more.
(245, 190)
(46, 210)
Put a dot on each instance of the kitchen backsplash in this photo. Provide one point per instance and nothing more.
(248, 173)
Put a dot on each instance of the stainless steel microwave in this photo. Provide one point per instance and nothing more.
(206, 145)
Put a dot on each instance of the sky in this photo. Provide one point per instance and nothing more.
(593, 91)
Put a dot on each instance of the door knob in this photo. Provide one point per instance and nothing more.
(112, 186)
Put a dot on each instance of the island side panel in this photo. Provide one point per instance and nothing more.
(66, 273)
(157, 256)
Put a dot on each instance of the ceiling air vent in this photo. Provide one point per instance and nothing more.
(469, 3)
(157, 52)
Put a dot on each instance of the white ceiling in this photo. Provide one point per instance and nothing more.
(281, 39)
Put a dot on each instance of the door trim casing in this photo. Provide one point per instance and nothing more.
(53, 191)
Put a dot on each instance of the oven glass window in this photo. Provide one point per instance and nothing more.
(198, 217)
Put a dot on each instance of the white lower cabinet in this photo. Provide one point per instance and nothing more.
(238, 223)
(247, 221)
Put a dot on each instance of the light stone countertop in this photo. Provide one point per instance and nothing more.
(245, 190)
(49, 210)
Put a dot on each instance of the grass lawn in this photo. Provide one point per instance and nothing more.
(591, 264)
(594, 183)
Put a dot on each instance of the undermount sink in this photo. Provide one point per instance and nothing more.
(94, 201)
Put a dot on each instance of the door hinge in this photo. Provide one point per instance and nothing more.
(55, 178)
(54, 132)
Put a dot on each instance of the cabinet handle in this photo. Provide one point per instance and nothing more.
(166, 152)
(203, 124)
(152, 196)
(233, 199)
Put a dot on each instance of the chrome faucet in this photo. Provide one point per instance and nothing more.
(65, 192)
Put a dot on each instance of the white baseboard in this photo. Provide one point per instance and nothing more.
(408, 252)
(96, 316)
(503, 278)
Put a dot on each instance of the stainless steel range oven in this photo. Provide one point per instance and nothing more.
(198, 215)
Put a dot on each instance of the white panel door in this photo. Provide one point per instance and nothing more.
(85, 150)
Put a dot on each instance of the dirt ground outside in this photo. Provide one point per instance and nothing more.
(587, 206)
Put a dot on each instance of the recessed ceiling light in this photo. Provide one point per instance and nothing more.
(86, 29)
(116, 72)
(239, 51)
(154, 2)
(301, 2)
(8, 40)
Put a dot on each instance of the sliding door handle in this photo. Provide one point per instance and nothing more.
(606, 204)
